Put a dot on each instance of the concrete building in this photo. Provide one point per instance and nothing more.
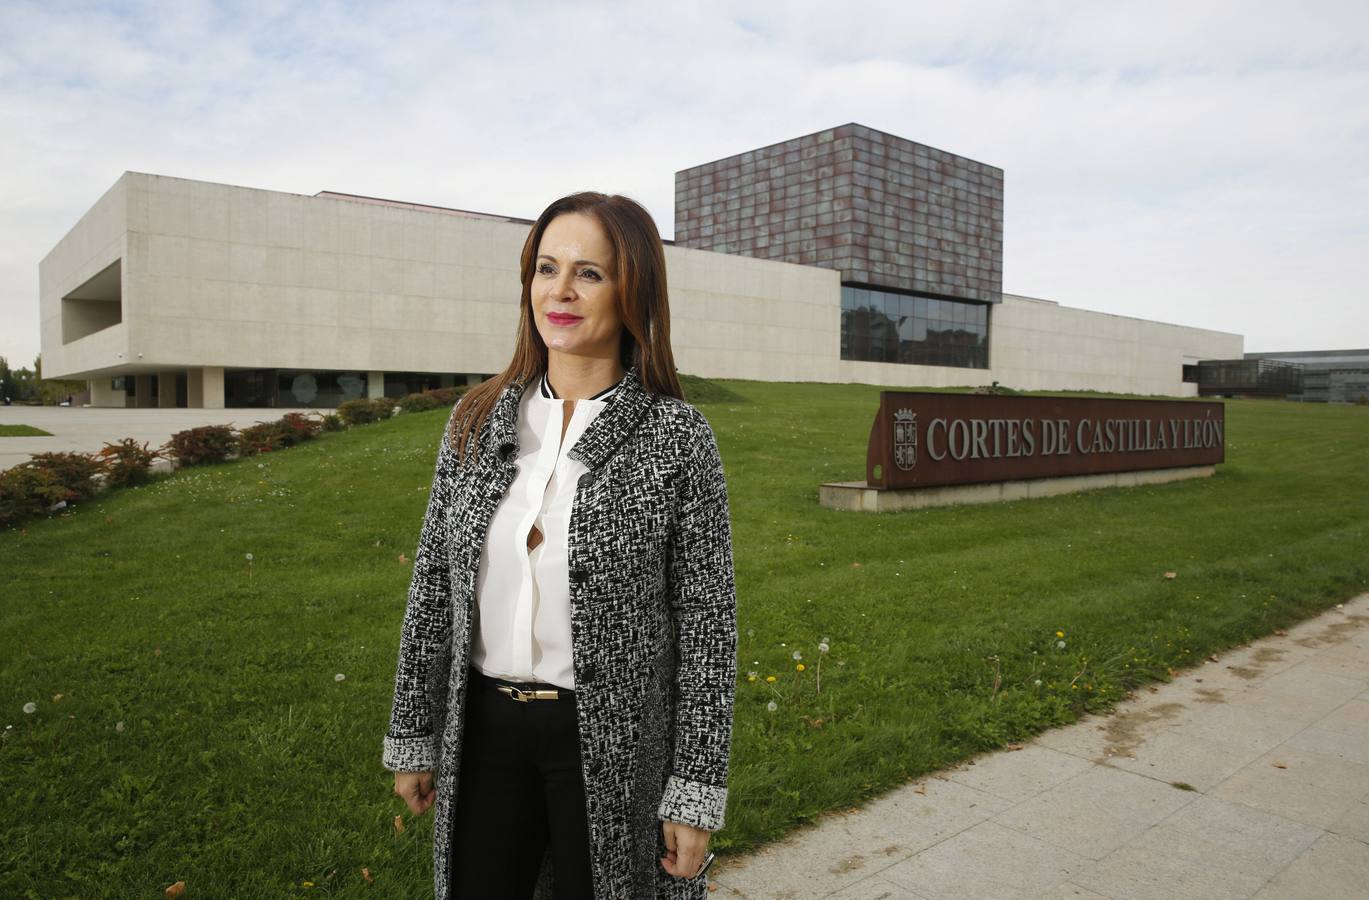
(1328, 376)
(872, 265)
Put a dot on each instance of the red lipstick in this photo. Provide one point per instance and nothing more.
(558, 318)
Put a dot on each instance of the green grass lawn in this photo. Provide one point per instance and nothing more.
(244, 767)
(22, 431)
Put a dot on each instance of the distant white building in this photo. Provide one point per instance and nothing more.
(170, 292)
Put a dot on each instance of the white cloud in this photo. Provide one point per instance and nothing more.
(1192, 162)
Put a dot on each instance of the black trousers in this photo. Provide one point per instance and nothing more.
(519, 792)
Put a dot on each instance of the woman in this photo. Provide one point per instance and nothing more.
(567, 659)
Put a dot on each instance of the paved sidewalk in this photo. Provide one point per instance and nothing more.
(86, 429)
(1245, 777)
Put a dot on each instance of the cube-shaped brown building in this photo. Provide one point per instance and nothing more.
(884, 210)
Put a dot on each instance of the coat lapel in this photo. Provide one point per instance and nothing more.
(619, 417)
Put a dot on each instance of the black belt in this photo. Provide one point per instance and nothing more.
(522, 691)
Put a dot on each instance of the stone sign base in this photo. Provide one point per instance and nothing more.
(858, 496)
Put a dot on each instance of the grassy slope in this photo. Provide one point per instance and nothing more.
(246, 769)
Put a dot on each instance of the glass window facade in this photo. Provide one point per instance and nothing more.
(881, 326)
(291, 388)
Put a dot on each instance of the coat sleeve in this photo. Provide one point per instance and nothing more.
(703, 603)
(411, 742)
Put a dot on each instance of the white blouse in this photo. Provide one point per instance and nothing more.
(523, 596)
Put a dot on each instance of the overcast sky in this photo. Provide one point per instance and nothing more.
(1198, 162)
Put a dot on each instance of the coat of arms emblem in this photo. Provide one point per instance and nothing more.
(905, 439)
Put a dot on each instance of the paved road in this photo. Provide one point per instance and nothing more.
(1247, 777)
(87, 429)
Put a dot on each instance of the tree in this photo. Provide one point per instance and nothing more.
(7, 386)
(27, 385)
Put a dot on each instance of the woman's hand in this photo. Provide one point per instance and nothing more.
(417, 790)
(685, 847)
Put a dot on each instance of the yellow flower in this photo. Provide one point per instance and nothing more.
(1060, 634)
(770, 678)
(799, 667)
(751, 678)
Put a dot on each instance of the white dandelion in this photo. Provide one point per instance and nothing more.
(339, 677)
(772, 706)
(30, 708)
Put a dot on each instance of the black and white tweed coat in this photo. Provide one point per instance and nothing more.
(653, 626)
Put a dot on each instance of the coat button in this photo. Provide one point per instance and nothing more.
(586, 479)
(587, 674)
(579, 576)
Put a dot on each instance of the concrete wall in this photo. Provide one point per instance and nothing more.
(217, 277)
(230, 276)
(738, 317)
(95, 243)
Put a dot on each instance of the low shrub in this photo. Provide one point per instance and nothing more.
(298, 427)
(362, 412)
(332, 422)
(205, 444)
(128, 462)
(448, 396)
(28, 491)
(418, 402)
(263, 437)
(75, 471)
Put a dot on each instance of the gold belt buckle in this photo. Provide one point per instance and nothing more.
(523, 696)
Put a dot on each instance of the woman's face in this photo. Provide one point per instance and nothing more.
(574, 298)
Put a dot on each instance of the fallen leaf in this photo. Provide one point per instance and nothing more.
(1013, 747)
(855, 565)
(56, 697)
(403, 558)
(1280, 632)
(1212, 658)
(176, 890)
(1280, 766)
(1197, 679)
(399, 824)
(377, 543)
(1153, 690)
(366, 873)
(920, 789)
(109, 520)
(1171, 575)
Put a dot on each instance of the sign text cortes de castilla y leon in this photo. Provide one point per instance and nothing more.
(922, 439)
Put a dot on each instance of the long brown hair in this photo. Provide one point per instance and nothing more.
(638, 270)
